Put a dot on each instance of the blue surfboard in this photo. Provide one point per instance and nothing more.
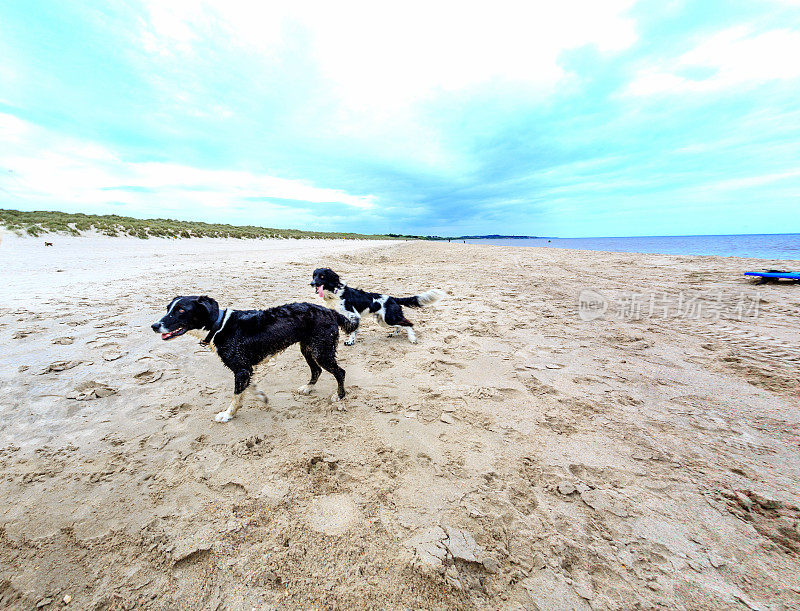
(775, 274)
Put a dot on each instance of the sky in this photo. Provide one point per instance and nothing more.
(572, 118)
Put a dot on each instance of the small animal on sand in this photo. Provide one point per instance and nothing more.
(352, 302)
(245, 338)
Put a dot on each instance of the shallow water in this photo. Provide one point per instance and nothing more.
(758, 246)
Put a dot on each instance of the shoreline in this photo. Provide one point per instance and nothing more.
(642, 449)
(692, 246)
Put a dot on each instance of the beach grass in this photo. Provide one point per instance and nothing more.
(39, 222)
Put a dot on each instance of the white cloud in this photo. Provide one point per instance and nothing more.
(375, 75)
(393, 54)
(731, 58)
(747, 182)
(39, 166)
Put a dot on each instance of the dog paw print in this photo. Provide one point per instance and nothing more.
(251, 447)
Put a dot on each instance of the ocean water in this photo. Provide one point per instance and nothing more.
(757, 246)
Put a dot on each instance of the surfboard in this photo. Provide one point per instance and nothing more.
(775, 274)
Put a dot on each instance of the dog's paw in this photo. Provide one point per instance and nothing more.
(349, 342)
(261, 396)
(305, 389)
(413, 340)
(338, 403)
(223, 417)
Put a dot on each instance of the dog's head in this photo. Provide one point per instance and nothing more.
(187, 313)
(325, 279)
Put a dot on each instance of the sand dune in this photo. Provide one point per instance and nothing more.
(566, 435)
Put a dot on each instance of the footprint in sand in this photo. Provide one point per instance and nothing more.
(114, 335)
(114, 354)
(91, 390)
(148, 377)
(61, 366)
(23, 333)
(333, 514)
(63, 341)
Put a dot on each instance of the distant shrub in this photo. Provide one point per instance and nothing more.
(38, 222)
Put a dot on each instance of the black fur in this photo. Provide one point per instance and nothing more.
(358, 301)
(352, 302)
(250, 336)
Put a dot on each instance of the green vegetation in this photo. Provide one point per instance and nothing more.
(36, 223)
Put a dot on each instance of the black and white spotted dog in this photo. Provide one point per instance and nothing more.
(245, 338)
(354, 303)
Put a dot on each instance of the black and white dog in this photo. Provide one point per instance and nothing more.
(355, 302)
(244, 338)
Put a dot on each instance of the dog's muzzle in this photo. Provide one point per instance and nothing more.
(158, 327)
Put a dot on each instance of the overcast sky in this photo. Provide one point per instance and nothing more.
(568, 118)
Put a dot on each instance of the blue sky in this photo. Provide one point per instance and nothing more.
(582, 119)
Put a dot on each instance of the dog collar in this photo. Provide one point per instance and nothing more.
(222, 318)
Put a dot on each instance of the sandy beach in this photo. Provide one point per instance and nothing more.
(574, 430)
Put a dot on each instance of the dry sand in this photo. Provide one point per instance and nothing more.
(518, 457)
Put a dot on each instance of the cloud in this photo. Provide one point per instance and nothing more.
(732, 58)
(373, 53)
(416, 118)
(53, 170)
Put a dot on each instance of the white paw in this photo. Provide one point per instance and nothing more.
(261, 396)
(306, 389)
(349, 342)
(223, 417)
(413, 340)
(335, 398)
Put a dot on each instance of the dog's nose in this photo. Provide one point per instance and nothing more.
(155, 326)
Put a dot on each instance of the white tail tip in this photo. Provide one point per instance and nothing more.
(430, 297)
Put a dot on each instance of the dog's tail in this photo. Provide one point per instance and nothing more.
(346, 323)
(423, 299)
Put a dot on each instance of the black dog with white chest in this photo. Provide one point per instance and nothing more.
(244, 338)
(353, 303)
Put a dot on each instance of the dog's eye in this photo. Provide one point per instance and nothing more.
(180, 310)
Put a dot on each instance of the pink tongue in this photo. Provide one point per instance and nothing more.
(319, 291)
(164, 335)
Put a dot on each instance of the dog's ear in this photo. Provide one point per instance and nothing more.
(209, 305)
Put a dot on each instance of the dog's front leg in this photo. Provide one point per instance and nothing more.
(351, 338)
(241, 382)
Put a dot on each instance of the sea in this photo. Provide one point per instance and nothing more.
(756, 246)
